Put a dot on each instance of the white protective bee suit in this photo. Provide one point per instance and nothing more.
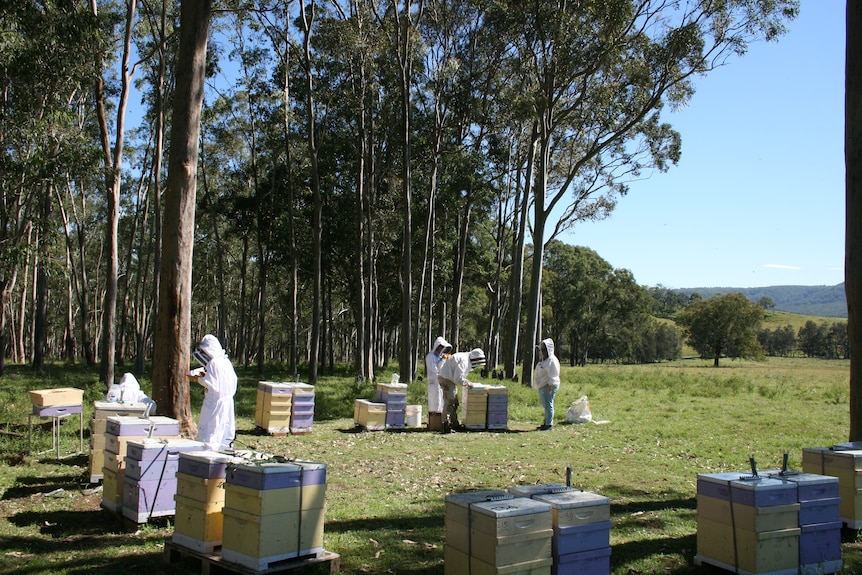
(452, 375)
(433, 361)
(217, 427)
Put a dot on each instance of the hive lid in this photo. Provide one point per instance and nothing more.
(467, 498)
(269, 467)
(760, 483)
(135, 419)
(573, 499)
(211, 457)
(514, 507)
(848, 446)
(533, 490)
(270, 385)
(807, 478)
(114, 406)
(725, 477)
(172, 444)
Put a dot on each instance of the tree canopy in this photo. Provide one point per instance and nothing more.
(723, 325)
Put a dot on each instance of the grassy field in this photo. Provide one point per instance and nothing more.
(661, 426)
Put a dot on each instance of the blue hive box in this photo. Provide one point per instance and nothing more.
(275, 475)
(593, 562)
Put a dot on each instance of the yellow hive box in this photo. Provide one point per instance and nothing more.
(534, 567)
(112, 488)
(767, 552)
(850, 508)
(114, 462)
(455, 561)
(847, 478)
(200, 521)
(274, 501)
(770, 518)
(812, 459)
(201, 489)
(500, 551)
(97, 442)
(275, 420)
(510, 517)
(119, 445)
(369, 414)
(715, 541)
(98, 426)
(57, 396)
(97, 462)
(282, 535)
(714, 509)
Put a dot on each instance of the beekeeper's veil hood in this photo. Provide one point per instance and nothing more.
(548, 344)
(477, 358)
(441, 341)
(208, 349)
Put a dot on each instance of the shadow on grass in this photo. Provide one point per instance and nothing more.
(29, 486)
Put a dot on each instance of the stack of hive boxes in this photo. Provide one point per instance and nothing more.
(498, 407)
(150, 478)
(273, 512)
(394, 396)
(747, 524)
(99, 425)
(492, 533)
(302, 408)
(474, 406)
(819, 522)
(369, 414)
(843, 461)
(119, 431)
(199, 522)
(273, 406)
(582, 527)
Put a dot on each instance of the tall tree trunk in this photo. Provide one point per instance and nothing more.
(853, 193)
(40, 317)
(173, 325)
(113, 180)
(307, 19)
(516, 279)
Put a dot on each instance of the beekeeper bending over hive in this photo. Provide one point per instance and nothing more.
(217, 427)
(452, 374)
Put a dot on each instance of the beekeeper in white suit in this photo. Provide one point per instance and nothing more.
(217, 426)
(452, 375)
(433, 361)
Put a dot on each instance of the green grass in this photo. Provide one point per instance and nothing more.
(385, 496)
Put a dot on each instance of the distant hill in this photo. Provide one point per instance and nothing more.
(824, 301)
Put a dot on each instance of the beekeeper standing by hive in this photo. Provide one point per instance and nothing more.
(546, 379)
(433, 362)
(217, 426)
(453, 374)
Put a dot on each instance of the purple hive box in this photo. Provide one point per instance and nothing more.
(153, 470)
(594, 562)
(273, 475)
(302, 421)
(148, 498)
(579, 538)
(127, 425)
(206, 464)
(763, 492)
(149, 449)
(395, 419)
(717, 484)
(820, 543)
(819, 511)
(56, 410)
(811, 486)
(302, 409)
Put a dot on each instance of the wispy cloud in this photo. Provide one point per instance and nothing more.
(781, 267)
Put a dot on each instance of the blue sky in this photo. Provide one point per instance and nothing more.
(757, 198)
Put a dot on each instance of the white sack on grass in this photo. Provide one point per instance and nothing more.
(579, 411)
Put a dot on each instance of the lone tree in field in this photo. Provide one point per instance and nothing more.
(723, 325)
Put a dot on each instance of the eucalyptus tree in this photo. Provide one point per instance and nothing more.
(44, 130)
(171, 352)
(596, 76)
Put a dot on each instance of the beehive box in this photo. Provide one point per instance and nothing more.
(762, 492)
(274, 501)
(112, 490)
(474, 406)
(592, 562)
(533, 490)
(574, 508)
(150, 449)
(206, 464)
(143, 500)
(370, 415)
(255, 541)
(767, 551)
(510, 531)
(198, 525)
(812, 459)
(456, 562)
(152, 470)
(56, 396)
(578, 538)
(458, 516)
(820, 547)
(57, 410)
(715, 542)
(498, 407)
(273, 406)
(394, 394)
(276, 475)
(155, 426)
(200, 489)
(770, 518)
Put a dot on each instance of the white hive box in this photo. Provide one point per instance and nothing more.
(511, 531)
